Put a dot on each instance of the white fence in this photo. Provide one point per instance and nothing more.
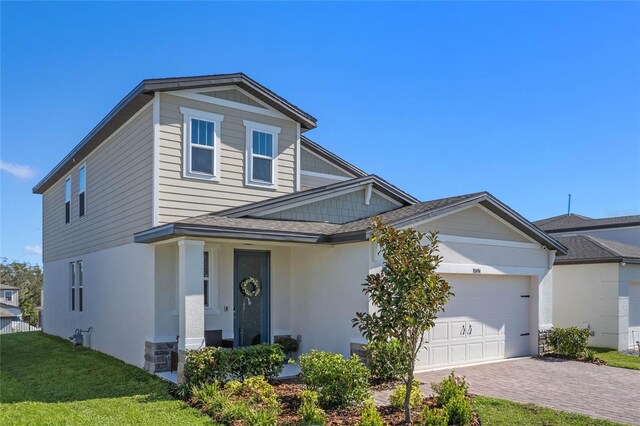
(9, 325)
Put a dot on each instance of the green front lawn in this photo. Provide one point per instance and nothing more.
(614, 358)
(498, 412)
(44, 380)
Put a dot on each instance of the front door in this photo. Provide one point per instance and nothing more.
(251, 297)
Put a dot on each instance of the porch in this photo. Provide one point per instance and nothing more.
(215, 292)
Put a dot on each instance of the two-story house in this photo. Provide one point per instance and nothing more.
(198, 212)
(9, 307)
(597, 284)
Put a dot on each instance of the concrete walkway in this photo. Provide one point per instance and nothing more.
(597, 391)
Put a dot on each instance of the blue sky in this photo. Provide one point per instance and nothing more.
(530, 101)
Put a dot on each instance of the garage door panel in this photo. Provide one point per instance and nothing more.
(483, 321)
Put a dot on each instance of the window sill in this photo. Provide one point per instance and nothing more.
(202, 178)
(269, 186)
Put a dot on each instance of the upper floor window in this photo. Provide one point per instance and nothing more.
(67, 200)
(201, 144)
(8, 295)
(261, 154)
(82, 198)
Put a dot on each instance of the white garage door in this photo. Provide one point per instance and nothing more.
(487, 319)
(634, 313)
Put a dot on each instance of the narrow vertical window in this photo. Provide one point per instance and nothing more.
(80, 285)
(67, 200)
(262, 152)
(8, 295)
(72, 281)
(82, 198)
(206, 278)
(201, 144)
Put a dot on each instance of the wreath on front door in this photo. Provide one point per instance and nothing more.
(250, 287)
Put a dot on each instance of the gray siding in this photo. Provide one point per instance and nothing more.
(119, 195)
(477, 223)
(180, 197)
(340, 209)
(235, 96)
(312, 163)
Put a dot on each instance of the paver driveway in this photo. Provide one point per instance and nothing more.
(597, 391)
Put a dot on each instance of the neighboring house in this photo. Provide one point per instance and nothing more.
(597, 284)
(198, 209)
(9, 295)
(10, 312)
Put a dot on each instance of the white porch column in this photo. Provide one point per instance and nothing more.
(190, 299)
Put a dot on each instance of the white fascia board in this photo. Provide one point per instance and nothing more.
(325, 176)
(489, 242)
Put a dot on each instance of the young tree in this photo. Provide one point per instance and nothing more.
(408, 294)
(28, 278)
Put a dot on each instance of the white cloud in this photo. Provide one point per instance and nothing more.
(18, 170)
(35, 249)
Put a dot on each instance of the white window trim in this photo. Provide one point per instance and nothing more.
(79, 285)
(216, 119)
(83, 165)
(214, 283)
(274, 131)
(73, 302)
(68, 199)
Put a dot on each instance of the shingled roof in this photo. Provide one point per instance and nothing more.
(574, 222)
(223, 225)
(589, 249)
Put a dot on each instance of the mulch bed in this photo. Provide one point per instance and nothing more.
(596, 361)
(288, 394)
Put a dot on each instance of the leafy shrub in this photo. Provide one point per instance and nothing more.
(434, 417)
(211, 365)
(259, 360)
(288, 343)
(207, 365)
(339, 382)
(589, 355)
(449, 388)
(415, 400)
(385, 359)
(370, 415)
(570, 341)
(253, 401)
(459, 410)
(181, 391)
(309, 411)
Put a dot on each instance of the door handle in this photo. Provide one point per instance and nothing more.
(470, 329)
(463, 332)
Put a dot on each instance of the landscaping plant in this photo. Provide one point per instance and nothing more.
(569, 341)
(449, 388)
(309, 411)
(207, 365)
(408, 294)
(434, 416)
(459, 410)
(370, 415)
(397, 397)
(339, 382)
(385, 360)
(288, 343)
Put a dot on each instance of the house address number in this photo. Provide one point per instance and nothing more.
(477, 271)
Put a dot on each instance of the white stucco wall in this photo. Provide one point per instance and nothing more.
(587, 295)
(326, 293)
(118, 300)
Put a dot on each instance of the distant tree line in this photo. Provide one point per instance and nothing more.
(28, 278)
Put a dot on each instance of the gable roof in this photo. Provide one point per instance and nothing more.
(314, 147)
(311, 195)
(8, 287)
(575, 222)
(6, 310)
(589, 249)
(221, 225)
(144, 92)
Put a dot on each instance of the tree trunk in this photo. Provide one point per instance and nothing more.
(407, 396)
